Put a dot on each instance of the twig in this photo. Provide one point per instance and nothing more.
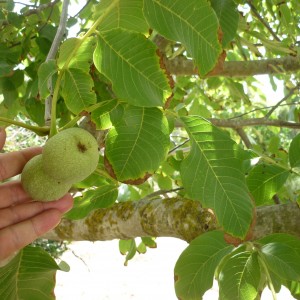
(91, 30)
(261, 108)
(178, 146)
(60, 31)
(259, 17)
(161, 192)
(291, 92)
(40, 8)
(77, 256)
(35, 10)
(21, 3)
(241, 132)
(51, 55)
(276, 199)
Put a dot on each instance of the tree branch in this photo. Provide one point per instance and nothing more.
(178, 218)
(234, 123)
(291, 92)
(241, 132)
(34, 10)
(40, 8)
(51, 55)
(259, 17)
(288, 64)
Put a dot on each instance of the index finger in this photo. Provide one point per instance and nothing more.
(12, 164)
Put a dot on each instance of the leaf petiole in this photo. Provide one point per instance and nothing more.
(41, 131)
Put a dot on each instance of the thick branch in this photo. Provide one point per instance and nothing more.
(239, 123)
(289, 64)
(183, 219)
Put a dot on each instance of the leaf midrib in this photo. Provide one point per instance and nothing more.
(132, 65)
(218, 181)
(184, 21)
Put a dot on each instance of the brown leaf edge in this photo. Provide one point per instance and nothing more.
(219, 66)
(134, 181)
(168, 75)
(232, 240)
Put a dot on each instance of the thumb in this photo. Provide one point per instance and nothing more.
(2, 137)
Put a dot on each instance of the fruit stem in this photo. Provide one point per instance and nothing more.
(53, 129)
(41, 131)
(269, 279)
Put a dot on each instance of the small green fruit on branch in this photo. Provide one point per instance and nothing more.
(39, 185)
(68, 157)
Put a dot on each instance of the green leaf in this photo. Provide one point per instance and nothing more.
(5, 68)
(264, 181)
(35, 110)
(78, 90)
(193, 23)
(164, 182)
(294, 288)
(15, 19)
(101, 115)
(128, 248)
(45, 72)
(294, 152)
(84, 54)
(195, 268)
(29, 275)
(9, 55)
(9, 91)
(141, 248)
(127, 15)
(228, 15)
(138, 143)
(239, 277)
(281, 253)
(129, 60)
(100, 197)
(212, 173)
(149, 242)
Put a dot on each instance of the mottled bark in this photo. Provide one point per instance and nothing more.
(183, 219)
(288, 64)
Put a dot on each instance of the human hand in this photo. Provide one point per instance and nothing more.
(21, 219)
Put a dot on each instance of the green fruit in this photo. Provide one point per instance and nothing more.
(71, 155)
(39, 185)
